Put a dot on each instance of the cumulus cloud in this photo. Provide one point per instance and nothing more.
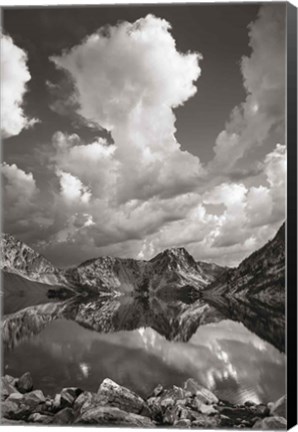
(139, 193)
(14, 78)
(244, 218)
(20, 195)
(262, 114)
(128, 78)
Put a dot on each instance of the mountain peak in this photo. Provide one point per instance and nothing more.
(173, 253)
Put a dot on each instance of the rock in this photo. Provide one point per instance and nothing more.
(171, 397)
(207, 409)
(83, 402)
(18, 406)
(104, 415)
(68, 396)
(114, 395)
(185, 414)
(183, 423)
(271, 423)
(40, 418)
(7, 387)
(15, 397)
(57, 402)
(226, 421)
(25, 383)
(158, 390)
(35, 397)
(49, 404)
(245, 423)
(201, 393)
(167, 402)
(203, 421)
(249, 403)
(8, 408)
(171, 415)
(261, 410)
(10, 379)
(279, 408)
(64, 417)
(155, 408)
(232, 411)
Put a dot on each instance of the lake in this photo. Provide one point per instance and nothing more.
(140, 343)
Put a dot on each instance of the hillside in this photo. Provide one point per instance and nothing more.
(261, 276)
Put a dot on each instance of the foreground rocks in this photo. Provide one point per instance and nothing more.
(192, 406)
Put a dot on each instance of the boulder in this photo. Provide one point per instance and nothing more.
(207, 409)
(201, 393)
(18, 406)
(7, 387)
(34, 397)
(226, 421)
(57, 402)
(183, 423)
(271, 423)
(64, 417)
(68, 396)
(260, 410)
(40, 418)
(83, 402)
(279, 408)
(155, 408)
(15, 397)
(8, 408)
(112, 416)
(25, 383)
(204, 421)
(173, 396)
(171, 415)
(158, 390)
(114, 395)
(249, 403)
(10, 379)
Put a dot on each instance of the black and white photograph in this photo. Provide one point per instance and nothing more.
(143, 186)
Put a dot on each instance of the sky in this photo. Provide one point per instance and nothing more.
(127, 130)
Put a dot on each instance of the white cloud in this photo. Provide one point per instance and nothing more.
(18, 185)
(14, 78)
(262, 114)
(128, 82)
(20, 196)
(72, 189)
(141, 193)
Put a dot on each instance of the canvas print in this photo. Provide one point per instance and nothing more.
(143, 183)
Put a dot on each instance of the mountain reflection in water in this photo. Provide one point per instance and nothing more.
(143, 341)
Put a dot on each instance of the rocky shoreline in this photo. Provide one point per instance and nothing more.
(192, 406)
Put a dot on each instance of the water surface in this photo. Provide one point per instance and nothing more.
(139, 344)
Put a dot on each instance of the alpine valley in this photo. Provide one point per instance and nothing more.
(173, 341)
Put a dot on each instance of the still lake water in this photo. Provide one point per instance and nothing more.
(223, 355)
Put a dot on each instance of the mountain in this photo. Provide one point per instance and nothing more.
(19, 258)
(170, 270)
(259, 277)
(213, 270)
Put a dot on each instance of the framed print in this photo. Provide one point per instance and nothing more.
(149, 215)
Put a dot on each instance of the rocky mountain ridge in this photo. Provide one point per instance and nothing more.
(21, 259)
(172, 269)
(261, 276)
